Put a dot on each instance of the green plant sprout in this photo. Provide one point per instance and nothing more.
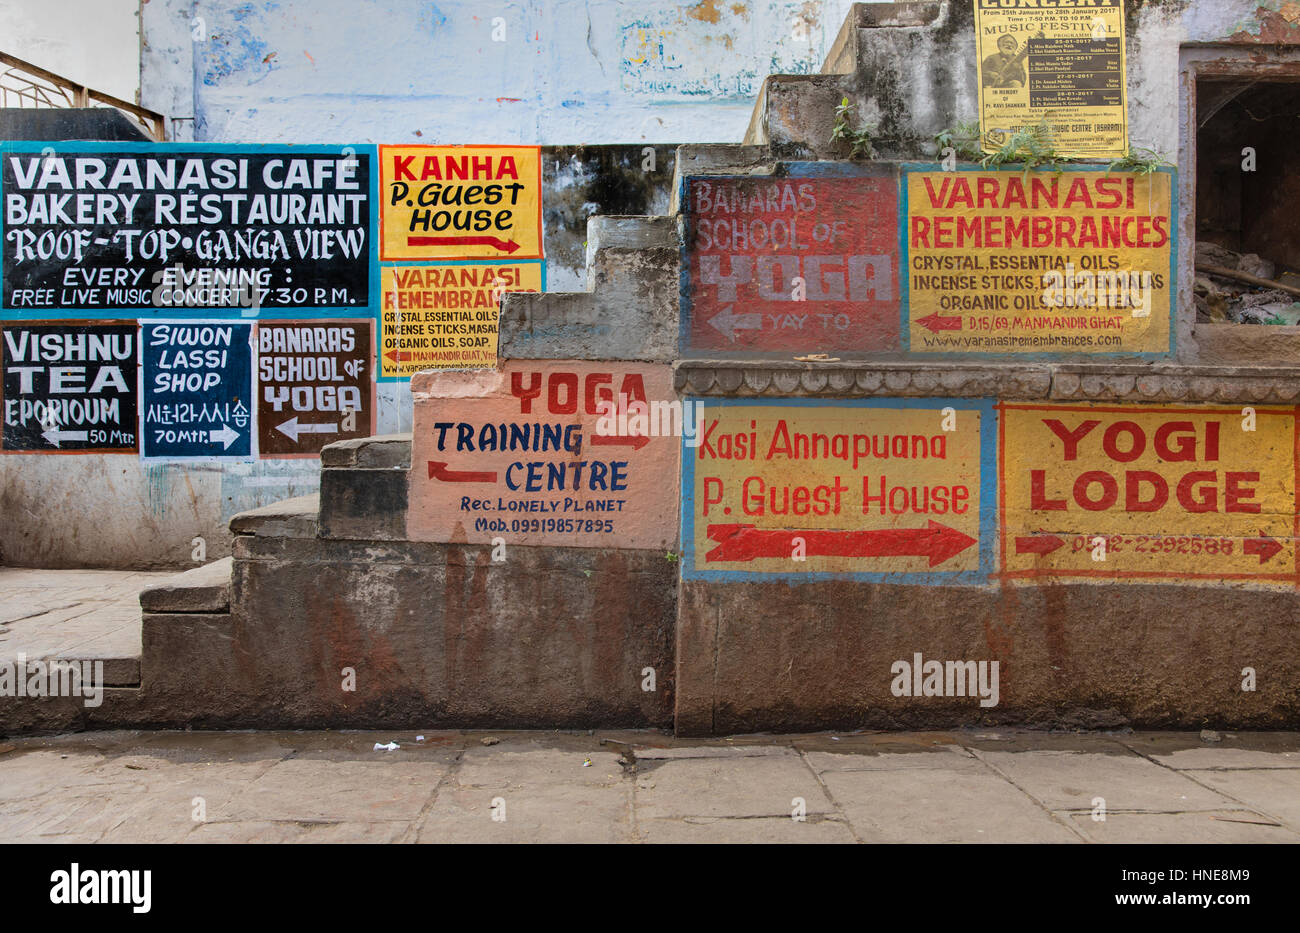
(859, 141)
(1140, 160)
(964, 139)
(1031, 146)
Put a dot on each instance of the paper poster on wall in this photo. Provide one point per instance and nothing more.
(460, 202)
(172, 228)
(1077, 262)
(446, 316)
(1055, 63)
(315, 385)
(197, 390)
(70, 387)
(1149, 493)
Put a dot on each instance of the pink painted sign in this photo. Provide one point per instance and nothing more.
(551, 453)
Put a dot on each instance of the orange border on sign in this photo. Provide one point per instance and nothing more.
(1293, 577)
(379, 179)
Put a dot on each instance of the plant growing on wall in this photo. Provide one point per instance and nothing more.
(964, 139)
(859, 140)
(1140, 160)
(1031, 146)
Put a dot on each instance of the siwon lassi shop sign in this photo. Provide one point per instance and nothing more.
(1040, 262)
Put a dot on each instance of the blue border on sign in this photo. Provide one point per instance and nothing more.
(144, 313)
(1074, 356)
(987, 485)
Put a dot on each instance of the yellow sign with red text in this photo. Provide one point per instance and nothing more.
(1149, 493)
(446, 317)
(1009, 262)
(460, 202)
(844, 488)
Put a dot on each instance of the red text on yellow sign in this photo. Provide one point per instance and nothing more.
(1158, 492)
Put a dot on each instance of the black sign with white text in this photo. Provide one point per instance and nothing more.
(178, 228)
(70, 387)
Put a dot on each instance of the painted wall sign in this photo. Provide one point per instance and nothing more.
(791, 264)
(1076, 262)
(1062, 64)
(522, 455)
(315, 385)
(880, 489)
(197, 390)
(460, 202)
(176, 227)
(446, 316)
(70, 387)
(1159, 492)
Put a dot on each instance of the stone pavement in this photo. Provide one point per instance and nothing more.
(75, 615)
(977, 786)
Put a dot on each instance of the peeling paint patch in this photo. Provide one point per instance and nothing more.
(1276, 27)
(706, 11)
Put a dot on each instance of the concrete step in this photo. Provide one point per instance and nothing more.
(629, 310)
(81, 616)
(203, 589)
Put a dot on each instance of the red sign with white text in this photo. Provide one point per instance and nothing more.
(782, 265)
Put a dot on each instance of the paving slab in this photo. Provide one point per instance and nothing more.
(1187, 751)
(74, 615)
(717, 787)
(344, 791)
(779, 830)
(931, 805)
(533, 813)
(261, 831)
(1272, 791)
(1069, 780)
(1218, 826)
(948, 758)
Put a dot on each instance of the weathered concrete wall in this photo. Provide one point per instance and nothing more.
(558, 73)
(771, 656)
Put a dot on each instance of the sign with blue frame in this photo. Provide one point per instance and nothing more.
(172, 229)
(196, 390)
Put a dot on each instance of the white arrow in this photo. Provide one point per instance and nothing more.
(226, 436)
(57, 437)
(291, 429)
(726, 323)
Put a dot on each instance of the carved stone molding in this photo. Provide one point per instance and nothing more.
(860, 380)
(1164, 383)
(1172, 383)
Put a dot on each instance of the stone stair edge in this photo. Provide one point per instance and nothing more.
(201, 589)
(289, 518)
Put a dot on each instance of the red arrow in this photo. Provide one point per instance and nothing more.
(1264, 546)
(508, 245)
(743, 543)
(439, 471)
(635, 441)
(937, 322)
(398, 356)
(1038, 544)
